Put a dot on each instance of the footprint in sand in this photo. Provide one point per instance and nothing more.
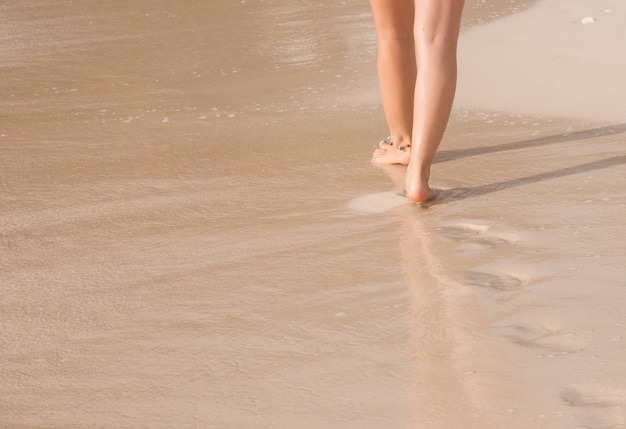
(597, 407)
(379, 202)
(476, 235)
(498, 282)
(598, 397)
(549, 341)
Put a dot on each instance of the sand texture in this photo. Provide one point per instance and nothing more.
(192, 236)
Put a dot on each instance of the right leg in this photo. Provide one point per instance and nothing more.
(437, 24)
(397, 71)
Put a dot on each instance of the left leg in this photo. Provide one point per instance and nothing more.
(396, 73)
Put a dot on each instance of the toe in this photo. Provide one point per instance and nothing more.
(378, 153)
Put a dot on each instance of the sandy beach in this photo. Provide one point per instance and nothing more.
(192, 236)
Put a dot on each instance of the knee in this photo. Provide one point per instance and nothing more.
(437, 37)
(434, 40)
(435, 48)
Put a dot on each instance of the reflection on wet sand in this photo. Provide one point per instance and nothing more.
(463, 378)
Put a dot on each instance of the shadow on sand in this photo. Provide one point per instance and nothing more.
(449, 195)
(449, 155)
(453, 194)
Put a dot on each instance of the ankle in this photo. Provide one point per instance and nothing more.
(400, 142)
(419, 172)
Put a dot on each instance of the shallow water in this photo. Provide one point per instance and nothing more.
(192, 235)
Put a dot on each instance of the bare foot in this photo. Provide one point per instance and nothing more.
(389, 154)
(417, 188)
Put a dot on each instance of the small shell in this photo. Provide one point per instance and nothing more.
(588, 20)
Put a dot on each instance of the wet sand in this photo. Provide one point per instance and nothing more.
(192, 235)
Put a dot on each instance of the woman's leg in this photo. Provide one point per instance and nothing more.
(437, 25)
(396, 73)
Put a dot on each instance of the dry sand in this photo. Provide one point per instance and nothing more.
(563, 59)
(192, 236)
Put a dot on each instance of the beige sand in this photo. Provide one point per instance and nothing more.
(555, 59)
(191, 235)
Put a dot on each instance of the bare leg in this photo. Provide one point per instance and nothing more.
(437, 25)
(396, 74)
